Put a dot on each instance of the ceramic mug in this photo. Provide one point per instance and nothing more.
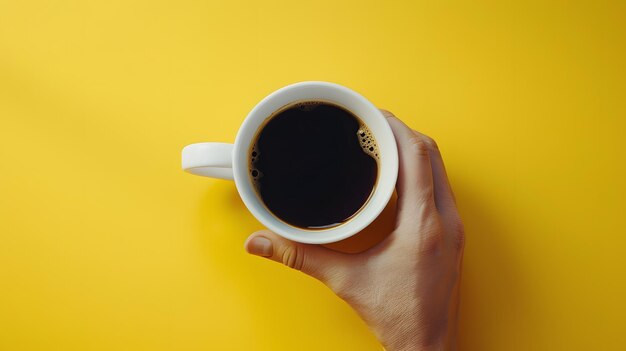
(230, 161)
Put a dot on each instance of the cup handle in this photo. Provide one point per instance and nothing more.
(209, 160)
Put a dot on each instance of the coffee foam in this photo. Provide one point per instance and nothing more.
(367, 142)
(254, 172)
(308, 105)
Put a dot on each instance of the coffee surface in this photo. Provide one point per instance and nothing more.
(314, 164)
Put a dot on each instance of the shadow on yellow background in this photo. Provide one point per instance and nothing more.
(105, 244)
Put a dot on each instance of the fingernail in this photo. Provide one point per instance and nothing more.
(260, 246)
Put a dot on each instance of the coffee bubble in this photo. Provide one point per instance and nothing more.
(367, 141)
(255, 174)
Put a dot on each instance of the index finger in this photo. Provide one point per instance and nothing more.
(444, 197)
(415, 178)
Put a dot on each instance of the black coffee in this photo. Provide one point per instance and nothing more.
(314, 164)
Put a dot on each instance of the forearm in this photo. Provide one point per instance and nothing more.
(403, 327)
(398, 340)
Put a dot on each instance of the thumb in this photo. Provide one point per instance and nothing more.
(314, 260)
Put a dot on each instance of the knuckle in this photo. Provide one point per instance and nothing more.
(413, 215)
(418, 214)
(429, 141)
(431, 243)
(431, 235)
(432, 144)
(387, 113)
(418, 146)
(293, 257)
(459, 235)
(427, 231)
(427, 196)
(460, 241)
(426, 213)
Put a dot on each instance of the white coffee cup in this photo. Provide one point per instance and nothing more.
(230, 161)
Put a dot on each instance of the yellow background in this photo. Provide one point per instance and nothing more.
(105, 244)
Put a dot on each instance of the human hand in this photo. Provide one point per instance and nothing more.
(407, 287)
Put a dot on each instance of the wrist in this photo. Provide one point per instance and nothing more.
(417, 339)
(414, 345)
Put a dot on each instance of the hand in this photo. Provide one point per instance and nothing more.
(407, 287)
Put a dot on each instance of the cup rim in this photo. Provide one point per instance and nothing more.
(372, 116)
